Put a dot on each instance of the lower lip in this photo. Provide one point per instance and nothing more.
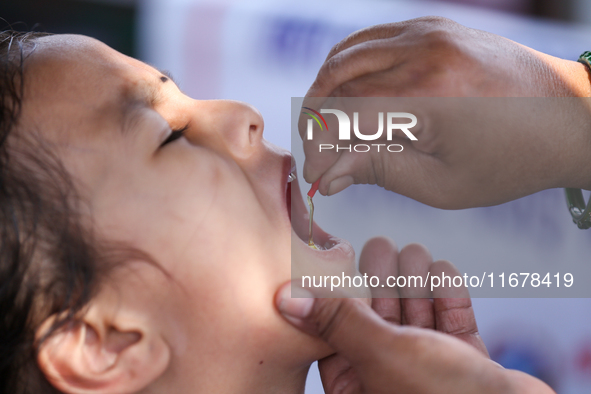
(288, 199)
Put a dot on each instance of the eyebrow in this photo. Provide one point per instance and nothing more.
(131, 108)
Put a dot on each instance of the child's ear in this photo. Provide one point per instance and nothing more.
(108, 351)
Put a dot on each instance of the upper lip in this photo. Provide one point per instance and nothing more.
(289, 166)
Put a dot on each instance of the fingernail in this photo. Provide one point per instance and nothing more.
(339, 184)
(295, 302)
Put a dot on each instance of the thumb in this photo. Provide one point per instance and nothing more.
(348, 325)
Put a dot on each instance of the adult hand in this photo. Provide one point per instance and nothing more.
(374, 354)
(511, 149)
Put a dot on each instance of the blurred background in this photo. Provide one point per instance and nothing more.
(265, 52)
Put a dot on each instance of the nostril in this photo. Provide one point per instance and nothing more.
(252, 134)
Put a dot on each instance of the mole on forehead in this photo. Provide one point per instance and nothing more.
(145, 90)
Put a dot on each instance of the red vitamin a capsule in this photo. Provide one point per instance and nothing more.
(314, 188)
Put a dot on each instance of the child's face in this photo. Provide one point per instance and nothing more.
(209, 207)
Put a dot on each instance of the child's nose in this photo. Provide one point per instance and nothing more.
(237, 125)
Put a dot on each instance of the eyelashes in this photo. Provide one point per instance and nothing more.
(175, 135)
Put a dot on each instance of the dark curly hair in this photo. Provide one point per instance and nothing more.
(48, 262)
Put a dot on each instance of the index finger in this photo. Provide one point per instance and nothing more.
(384, 30)
(341, 56)
(363, 58)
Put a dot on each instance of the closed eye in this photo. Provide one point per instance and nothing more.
(174, 135)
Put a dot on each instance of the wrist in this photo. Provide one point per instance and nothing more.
(556, 77)
(570, 78)
(579, 77)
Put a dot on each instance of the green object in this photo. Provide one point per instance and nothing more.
(579, 210)
(585, 58)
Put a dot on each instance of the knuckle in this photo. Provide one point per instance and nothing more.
(365, 34)
(327, 72)
(441, 41)
(336, 48)
(346, 42)
(433, 20)
(457, 321)
(439, 34)
(331, 66)
(372, 32)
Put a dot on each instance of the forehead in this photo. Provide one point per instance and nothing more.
(72, 63)
(72, 80)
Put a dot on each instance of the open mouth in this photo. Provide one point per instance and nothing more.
(300, 217)
(332, 257)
